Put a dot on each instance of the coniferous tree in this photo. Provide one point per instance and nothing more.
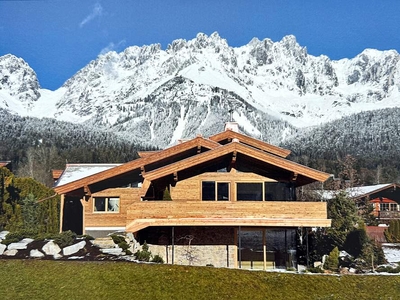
(332, 261)
(392, 234)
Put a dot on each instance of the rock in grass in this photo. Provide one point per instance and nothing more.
(36, 253)
(51, 248)
(74, 248)
(2, 248)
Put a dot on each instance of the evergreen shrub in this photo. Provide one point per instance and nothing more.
(157, 259)
(332, 261)
(144, 254)
(117, 239)
(65, 238)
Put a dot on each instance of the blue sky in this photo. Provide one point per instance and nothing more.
(59, 37)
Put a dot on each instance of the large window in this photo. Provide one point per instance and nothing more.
(249, 191)
(265, 191)
(212, 191)
(106, 204)
(279, 191)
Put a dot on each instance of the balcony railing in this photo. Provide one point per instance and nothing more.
(389, 215)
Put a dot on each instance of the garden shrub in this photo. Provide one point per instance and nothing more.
(16, 236)
(65, 238)
(315, 270)
(157, 259)
(332, 261)
(117, 239)
(144, 254)
(123, 245)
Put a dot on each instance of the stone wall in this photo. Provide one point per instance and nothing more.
(196, 246)
(196, 255)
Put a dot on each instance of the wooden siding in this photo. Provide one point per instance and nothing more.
(243, 213)
(190, 189)
(127, 196)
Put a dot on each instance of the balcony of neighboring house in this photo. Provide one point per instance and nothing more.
(386, 209)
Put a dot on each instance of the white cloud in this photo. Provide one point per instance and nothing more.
(112, 46)
(96, 12)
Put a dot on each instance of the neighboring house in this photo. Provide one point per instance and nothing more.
(233, 201)
(56, 174)
(385, 199)
(6, 164)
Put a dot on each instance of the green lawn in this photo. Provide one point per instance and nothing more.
(41, 279)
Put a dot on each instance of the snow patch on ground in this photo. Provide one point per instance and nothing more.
(392, 252)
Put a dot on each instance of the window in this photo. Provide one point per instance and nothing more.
(393, 207)
(106, 204)
(279, 191)
(384, 206)
(212, 191)
(249, 191)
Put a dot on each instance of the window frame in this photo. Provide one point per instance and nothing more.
(250, 182)
(216, 182)
(106, 205)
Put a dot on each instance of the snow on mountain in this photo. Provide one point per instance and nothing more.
(159, 96)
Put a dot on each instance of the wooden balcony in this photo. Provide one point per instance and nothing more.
(219, 213)
(389, 215)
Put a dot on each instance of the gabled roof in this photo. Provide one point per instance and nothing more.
(199, 154)
(56, 174)
(360, 191)
(5, 163)
(306, 174)
(167, 155)
(75, 172)
(228, 135)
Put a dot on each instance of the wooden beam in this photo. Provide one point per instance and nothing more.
(62, 211)
(145, 186)
(294, 177)
(86, 190)
(234, 154)
(229, 135)
(259, 155)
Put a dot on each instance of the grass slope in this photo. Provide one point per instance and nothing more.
(42, 279)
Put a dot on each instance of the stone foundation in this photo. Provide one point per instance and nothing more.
(195, 255)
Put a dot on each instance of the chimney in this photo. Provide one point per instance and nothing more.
(234, 126)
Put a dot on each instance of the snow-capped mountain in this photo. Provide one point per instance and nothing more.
(159, 96)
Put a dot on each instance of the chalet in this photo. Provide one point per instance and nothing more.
(228, 200)
(385, 199)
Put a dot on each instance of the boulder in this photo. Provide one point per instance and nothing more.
(105, 242)
(74, 248)
(17, 246)
(113, 251)
(2, 248)
(27, 240)
(57, 256)
(11, 252)
(23, 244)
(51, 248)
(36, 253)
(3, 234)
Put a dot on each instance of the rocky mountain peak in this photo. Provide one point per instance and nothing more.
(18, 79)
(157, 95)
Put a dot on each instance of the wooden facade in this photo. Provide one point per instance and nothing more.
(226, 181)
